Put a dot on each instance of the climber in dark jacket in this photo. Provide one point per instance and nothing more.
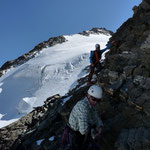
(95, 57)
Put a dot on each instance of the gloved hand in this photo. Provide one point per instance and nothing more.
(99, 133)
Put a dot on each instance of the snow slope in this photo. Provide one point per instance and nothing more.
(54, 71)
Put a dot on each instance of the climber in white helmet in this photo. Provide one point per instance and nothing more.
(83, 118)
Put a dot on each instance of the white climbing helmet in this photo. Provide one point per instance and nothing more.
(97, 46)
(95, 91)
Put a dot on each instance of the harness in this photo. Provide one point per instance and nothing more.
(97, 57)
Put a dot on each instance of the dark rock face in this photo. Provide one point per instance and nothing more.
(24, 58)
(125, 109)
(125, 80)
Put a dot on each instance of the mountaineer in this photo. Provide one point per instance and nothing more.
(95, 57)
(84, 123)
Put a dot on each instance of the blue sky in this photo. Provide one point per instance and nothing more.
(26, 23)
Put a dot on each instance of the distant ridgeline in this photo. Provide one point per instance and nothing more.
(126, 101)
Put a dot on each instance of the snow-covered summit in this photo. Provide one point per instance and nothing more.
(45, 44)
(52, 70)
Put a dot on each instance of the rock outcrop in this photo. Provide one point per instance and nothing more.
(125, 109)
(97, 31)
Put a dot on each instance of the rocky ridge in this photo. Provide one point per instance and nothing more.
(24, 58)
(125, 109)
(126, 82)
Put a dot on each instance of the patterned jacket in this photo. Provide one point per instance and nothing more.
(83, 115)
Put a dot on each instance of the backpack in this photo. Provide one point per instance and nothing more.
(97, 56)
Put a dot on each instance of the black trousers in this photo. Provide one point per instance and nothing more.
(73, 140)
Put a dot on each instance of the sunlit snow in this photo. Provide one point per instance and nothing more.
(54, 71)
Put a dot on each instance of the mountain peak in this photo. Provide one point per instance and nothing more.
(97, 31)
(45, 44)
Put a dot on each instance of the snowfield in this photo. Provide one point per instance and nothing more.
(54, 71)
